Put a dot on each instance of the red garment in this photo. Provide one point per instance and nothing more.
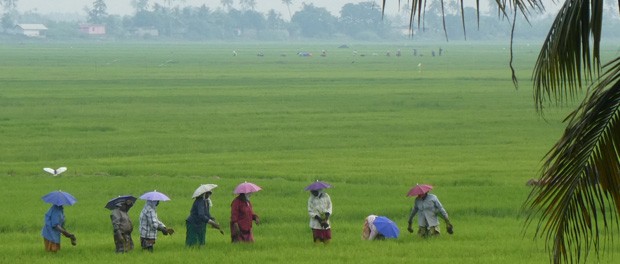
(241, 213)
(321, 234)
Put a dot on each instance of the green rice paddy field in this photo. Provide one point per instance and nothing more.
(132, 118)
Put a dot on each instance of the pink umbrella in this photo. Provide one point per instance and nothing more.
(419, 189)
(247, 187)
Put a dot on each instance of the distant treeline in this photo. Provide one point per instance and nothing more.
(361, 21)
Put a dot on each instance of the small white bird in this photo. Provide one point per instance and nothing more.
(55, 172)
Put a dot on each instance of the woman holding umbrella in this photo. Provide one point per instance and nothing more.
(200, 216)
(319, 209)
(121, 223)
(55, 220)
(429, 207)
(149, 222)
(242, 214)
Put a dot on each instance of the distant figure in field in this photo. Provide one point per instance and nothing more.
(388, 53)
(440, 51)
(398, 53)
(433, 53)
(234, 53)
(319, 210)
(429, 207)
(200, 216)
(150, 224)
(415, 52)
(121, 224)
(241, 217)
(323, 53)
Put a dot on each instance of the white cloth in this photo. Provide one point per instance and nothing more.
(318, 206)
(370, 221)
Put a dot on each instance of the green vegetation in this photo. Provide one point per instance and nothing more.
(126, 119)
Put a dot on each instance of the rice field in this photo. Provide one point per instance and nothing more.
(127, 118)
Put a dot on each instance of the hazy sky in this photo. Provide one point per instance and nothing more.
(123, 7)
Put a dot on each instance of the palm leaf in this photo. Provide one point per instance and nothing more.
(582, 172)
(567, 59)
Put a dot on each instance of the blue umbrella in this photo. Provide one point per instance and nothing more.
(112, 203)
(386, 227)
(59, 198)
(317, 185)
(154, 196)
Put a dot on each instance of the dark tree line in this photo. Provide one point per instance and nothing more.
(361, 21)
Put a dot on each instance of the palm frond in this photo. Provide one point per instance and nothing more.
(582, 176)
(568, 58)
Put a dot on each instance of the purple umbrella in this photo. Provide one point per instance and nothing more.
(386, 227)
(317, 185)
(247, 187)
(154, 196)
(59, 198)
(112, 203)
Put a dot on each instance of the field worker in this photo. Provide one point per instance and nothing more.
(199, 217)
(150, 224)
(319, 210)
(121, 224)
(428, 206)
(54, 226)
(369, 231)
(241, 217)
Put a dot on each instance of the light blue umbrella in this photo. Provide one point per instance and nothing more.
(154, 196)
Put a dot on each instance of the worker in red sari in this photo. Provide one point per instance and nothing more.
(241, 217)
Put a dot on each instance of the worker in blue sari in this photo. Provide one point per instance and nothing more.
(54, 226)
(199, 217)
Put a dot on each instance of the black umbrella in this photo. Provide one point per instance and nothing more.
(112, 203)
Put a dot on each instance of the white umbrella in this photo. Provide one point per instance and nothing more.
(203, 188)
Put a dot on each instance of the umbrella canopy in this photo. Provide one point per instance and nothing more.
(203, 188)
(247, 187)
(59, 198)
(154, 196)
(317, 185)
(386, 227)
(112, 203)
(419, 189)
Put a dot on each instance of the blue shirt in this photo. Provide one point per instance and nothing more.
(55, 216)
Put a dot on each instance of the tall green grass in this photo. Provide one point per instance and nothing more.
(130, 118)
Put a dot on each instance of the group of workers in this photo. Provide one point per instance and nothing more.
(242, 217)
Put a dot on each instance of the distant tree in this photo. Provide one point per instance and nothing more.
(361, 17)
(227, 4)
(98, 14)
(9, 5)
(248, 4)
(314, 21)
(288, 4)
(274, 20)
(140, 5)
